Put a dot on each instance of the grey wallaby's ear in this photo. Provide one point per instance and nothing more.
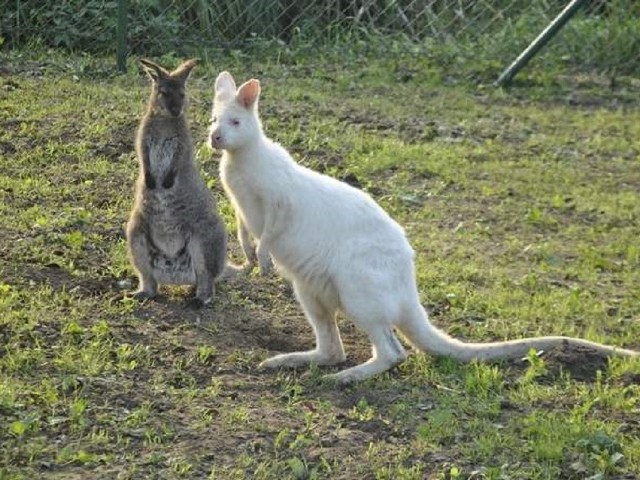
(183, 70)
(154, 70)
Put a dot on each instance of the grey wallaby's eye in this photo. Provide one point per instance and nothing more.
(235, 121)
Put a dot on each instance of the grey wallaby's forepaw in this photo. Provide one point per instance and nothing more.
(169, 179)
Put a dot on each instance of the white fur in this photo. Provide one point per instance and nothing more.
(340, 250)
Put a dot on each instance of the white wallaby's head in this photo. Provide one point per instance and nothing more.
(234, 117)
(168, 93)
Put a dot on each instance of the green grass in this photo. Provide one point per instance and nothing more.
(522, 207)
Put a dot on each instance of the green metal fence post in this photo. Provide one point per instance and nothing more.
(122, 36)
(546, 35)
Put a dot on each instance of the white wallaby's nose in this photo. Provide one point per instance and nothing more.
(216, 139)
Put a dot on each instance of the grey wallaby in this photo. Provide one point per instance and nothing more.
(174, 234)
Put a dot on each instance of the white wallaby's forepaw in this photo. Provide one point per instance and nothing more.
(266, 266)
(248, 266)
(231, 271)
(264, 260)
(251, 256)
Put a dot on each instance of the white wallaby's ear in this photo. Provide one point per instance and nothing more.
(225, 85)
(248, 93)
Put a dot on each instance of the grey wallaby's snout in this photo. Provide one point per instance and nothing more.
(174, 103)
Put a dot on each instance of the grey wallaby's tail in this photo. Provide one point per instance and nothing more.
(427, 337)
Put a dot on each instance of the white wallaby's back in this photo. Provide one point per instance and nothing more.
(340, 250)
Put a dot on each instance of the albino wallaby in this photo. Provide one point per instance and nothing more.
(337, 246)
(174, 234)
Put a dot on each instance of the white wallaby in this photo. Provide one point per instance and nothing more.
(338, 247)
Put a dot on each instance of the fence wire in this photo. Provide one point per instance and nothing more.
(603, 36)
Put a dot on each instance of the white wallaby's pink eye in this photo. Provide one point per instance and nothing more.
(235, 121)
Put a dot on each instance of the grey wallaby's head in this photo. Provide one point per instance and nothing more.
(168, 94)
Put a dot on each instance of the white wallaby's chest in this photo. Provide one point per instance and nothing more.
(244, 195)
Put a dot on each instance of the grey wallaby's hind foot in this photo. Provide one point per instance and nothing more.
(174, 234)
(196, 303)
(142, 296)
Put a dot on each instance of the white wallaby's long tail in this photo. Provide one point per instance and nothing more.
(427, 337)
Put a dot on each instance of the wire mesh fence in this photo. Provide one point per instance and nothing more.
(603, 36)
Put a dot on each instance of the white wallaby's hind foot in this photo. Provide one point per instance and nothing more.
(387, 352)
(365, 370)
(372, 307)
(329, 349)
(300, 359)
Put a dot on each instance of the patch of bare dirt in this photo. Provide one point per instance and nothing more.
(581, 363)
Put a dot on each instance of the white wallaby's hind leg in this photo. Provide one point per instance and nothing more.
(329, 349)
(374, 314)
(387, 352)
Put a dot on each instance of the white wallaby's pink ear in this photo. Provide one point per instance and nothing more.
(225, 85)
(248, 93)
